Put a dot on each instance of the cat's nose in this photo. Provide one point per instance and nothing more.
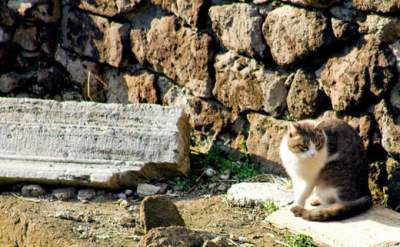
(311, 152)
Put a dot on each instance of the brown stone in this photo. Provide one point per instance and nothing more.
(295, 33)
(188, 10)
(106, 7)
(263, 142)
(94, 36)
(382, 6)
(367, 69)
(239, 18)
(137, 86)
(26, 37)
(304, 97)
(12, 80)
(244, 84)
(159, 211)
(385, 28)
(180, 53)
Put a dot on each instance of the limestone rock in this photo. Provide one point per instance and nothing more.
(384, 6)
(239, 18)
(178, 52)
(265, 135)
(367, 69)
(26, 37)
(94, 36)
(48, 11)
(386, 28)
(32, 190)
(188, 10)
(174, 236)
(378, 226)
(294, 33)
(304, 97)
(312, 3)
(245, 194)
(244, 84)
(84, 72)
(389, 126)
(106, 7)
(159, 211)
(86, 143)
(136, 86)
(148, 190)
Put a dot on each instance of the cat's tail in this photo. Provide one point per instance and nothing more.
(338, 210)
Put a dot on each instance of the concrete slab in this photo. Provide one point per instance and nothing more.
(378, 226)
(86, 143)
(246, 194)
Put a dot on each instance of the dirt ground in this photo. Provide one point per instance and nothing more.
(32, 222)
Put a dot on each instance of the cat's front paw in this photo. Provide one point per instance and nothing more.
(297, 211)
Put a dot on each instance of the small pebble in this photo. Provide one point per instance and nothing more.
(210, 172)
(136, 238)
(128, 192)
(132, 208)
(32, 190)
(226, 175)
(242, 239)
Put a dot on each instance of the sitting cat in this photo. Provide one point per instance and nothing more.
(326, 158)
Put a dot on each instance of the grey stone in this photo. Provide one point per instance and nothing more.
(33, 190)
(148, 190)
(378, 226)
(239, 18)
(64, 194)
(86, 194)
(245, 194)
(107, 8)
(106, 145)
(12, 80)
(26, 37)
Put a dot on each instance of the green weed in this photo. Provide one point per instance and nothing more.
(299, 240)
(269, 206)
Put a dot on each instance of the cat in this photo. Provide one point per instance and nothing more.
(326, 159)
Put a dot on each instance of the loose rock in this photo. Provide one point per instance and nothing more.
(159, 211)
(64, 194)
(86, 194)
(387, 6)
(32, 190)
(148, 190)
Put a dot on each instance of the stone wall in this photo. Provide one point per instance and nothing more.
(240, 69)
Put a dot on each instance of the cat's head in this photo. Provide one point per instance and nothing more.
(305, 139)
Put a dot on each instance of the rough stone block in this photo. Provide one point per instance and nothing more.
(103, 145)
(378, 226)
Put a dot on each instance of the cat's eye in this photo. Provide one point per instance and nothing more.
(303, 148)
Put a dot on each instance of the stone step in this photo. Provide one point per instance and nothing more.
(378, 226)
(86, 143)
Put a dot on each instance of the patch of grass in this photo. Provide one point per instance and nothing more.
(240, 166)
(180, 184)
(299, 240)
(269, 206)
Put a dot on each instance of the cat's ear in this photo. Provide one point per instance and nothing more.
(293, 129)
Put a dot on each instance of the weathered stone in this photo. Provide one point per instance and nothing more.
(84, 72)
(174, 236)
(395, 93)
(178, 52)
(48, 11)
(217, 242)
(159, 211)
(94, 36)
(346, 12)
(378, 226)
(293, 33)
(32, 190)
(389, 126)
(248, 194)
(367, 69)
(343, 30)
(26, 37)
(188, 10)
(86, 194)
(136, 86)
(312, 3)
(206, 116)
(148, 190)
(263, 142)
(105, 145)
(304, 97)
(239, 18)
(106, 7)
(383, 6)
(244, 84)
(64, 194)
(12, 80)
(386, 28)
